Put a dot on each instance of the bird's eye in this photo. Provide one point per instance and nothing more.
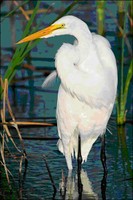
(62, 25)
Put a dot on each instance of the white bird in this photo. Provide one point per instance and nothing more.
(88, 73)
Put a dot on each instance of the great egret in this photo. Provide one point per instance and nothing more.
(88, 73)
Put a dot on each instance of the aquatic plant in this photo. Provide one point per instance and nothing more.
(121, 101)
(100, 9)
(21, 51)
(5, 135)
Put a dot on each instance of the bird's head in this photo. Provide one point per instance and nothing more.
(63, 26)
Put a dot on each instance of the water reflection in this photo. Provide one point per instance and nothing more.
(35, 182)
(69, 188)
(22, 175)
(123, 149)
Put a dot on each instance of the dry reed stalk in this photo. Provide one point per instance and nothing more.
(14, 122)
(130, 19)
(3, 117)
(26, 123)
(3, 110)
(29, 12)
(3, 160)
(20, 165)
(22, 10)
(49, 173)
(121, 30)
(20, 169)
(7, 131)
(7, 169)
(11, 114)
(6, 104)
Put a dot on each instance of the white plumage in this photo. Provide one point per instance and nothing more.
(87, 92)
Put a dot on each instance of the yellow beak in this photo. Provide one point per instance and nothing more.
(41, 33)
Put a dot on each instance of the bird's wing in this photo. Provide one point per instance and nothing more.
(95, 87)
(107, 58)
(91, 88)
(50, 79)
(100, 39)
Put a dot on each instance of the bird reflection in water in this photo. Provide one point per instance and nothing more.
(79, 186)
(69, 188)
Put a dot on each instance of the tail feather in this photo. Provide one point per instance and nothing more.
(60, 146)
(86, 146)
(50, 79)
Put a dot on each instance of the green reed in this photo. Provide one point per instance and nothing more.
(124, 11)
(100, 9)
(23, 49)
(124, 85)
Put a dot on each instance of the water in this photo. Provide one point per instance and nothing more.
(37, 185)
(30, 102)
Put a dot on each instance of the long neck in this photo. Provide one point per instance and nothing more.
(68, 55)
(84, 38)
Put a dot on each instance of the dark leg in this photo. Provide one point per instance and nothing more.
(103, 160)
(79, 160)
(103, 154)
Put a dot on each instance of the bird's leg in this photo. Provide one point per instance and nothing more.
(103, 160)
(79, 160)
(103, 186)
(103, 155)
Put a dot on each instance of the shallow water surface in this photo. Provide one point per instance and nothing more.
(35, 183)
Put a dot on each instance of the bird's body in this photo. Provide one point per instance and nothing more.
(87, 92)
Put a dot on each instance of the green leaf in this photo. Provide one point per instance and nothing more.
(23, 49)
(18, 55)
(127, 83)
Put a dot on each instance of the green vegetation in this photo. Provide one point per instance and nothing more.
(100, 9)
(124, 13)
(124, 84)
(21, 50)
